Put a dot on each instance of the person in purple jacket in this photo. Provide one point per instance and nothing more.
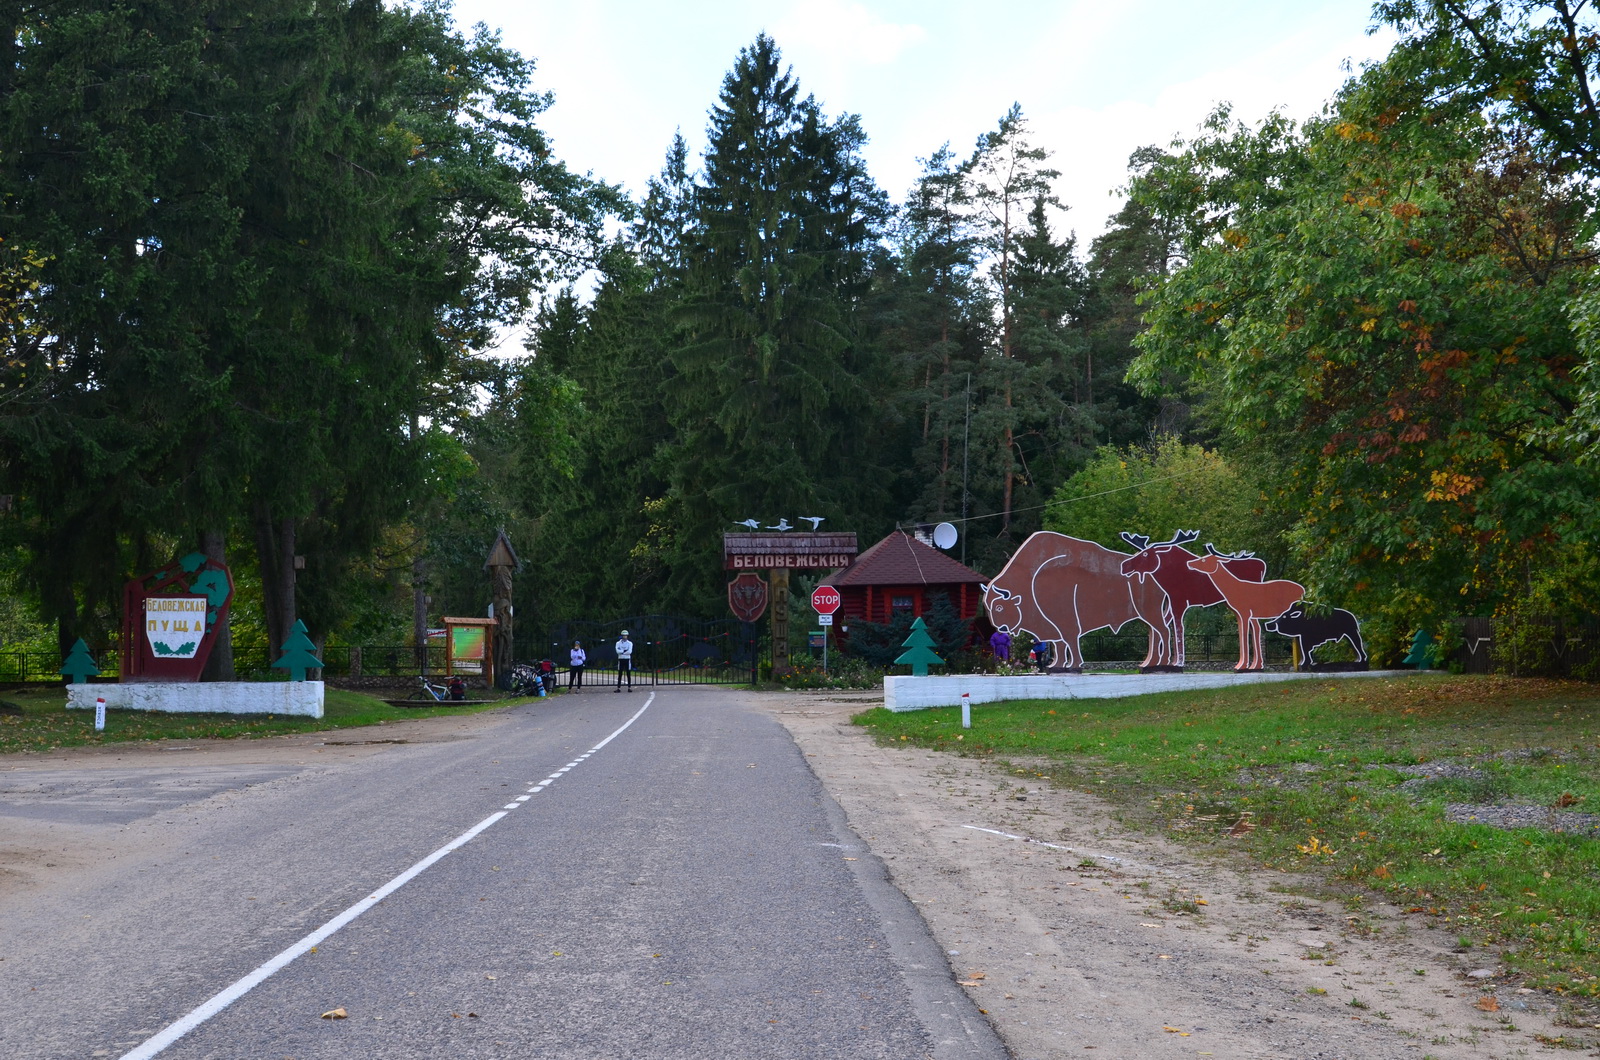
(1000, 645)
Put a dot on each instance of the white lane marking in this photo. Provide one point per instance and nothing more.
(1036, 842)
(154, 1045)
(524, 798)
(511, 805)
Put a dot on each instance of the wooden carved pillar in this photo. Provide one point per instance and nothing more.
(779, 586)
(501, 563)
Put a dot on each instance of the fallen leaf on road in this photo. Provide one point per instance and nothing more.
(335, 1014)
(966, 982)
(1164, 956)
(977, 975)
(849, 859)
(488, 977)
(1489, 1004)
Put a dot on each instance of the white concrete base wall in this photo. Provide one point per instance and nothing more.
(210, 697)
(920, 693)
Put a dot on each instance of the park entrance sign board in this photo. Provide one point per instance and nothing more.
(792, 551)
(170, 619)
(780, 553)
(174, 625)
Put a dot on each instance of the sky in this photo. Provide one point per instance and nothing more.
(1095, 80)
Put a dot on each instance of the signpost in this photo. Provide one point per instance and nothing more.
(825, 600)
(778, 554)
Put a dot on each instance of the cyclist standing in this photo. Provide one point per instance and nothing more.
(624, 661)
(575, 672)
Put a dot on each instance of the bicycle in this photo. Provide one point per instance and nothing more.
(426, 691)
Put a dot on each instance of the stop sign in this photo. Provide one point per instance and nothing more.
(825, 599)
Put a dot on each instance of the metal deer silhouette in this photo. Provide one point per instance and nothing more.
(1251, 602)
(1167, 563)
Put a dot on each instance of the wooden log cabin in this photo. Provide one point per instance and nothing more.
(901, 574)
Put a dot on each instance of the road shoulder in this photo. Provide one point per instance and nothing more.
(1072, 933)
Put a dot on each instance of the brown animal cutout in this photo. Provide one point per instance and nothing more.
(1057, 588)
(1252, 602)
(1167, 563)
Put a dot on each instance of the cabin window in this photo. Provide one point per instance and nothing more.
(897, 604)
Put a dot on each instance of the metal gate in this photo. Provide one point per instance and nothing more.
(667, 649)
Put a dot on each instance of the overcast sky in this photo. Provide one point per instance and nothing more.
(1095, 79)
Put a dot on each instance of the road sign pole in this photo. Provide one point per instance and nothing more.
(825, 600)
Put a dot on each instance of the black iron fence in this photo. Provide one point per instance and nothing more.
(667, 649)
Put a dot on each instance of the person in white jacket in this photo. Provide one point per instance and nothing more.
(575, 674)
(624, 660)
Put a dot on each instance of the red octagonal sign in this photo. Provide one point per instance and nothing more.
(825, 599)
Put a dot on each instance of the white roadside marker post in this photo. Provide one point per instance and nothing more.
(99, 713)
(966, 711)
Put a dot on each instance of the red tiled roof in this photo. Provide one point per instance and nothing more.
(901, 559)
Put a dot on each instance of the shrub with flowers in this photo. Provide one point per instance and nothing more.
(843, 673)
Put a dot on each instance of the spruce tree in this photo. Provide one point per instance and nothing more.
(774, 393)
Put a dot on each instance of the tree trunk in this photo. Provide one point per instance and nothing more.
(419, 611)
(219, 666)
(275, 550)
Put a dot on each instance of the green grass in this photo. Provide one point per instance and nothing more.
(46, 725)
(1310, 768)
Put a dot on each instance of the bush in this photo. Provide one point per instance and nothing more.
(843, 673)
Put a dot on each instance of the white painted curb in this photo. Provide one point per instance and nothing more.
(208, 697)
(919, 693)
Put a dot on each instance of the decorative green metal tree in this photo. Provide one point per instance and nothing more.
(299, 654)
(79, 664)
(1421, 654)
(920, 655)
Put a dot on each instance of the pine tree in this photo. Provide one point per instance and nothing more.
(1008, 179)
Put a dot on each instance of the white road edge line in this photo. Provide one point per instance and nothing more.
(1036, 842)
(154, 1045)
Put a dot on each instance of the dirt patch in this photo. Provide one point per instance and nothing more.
(1080, 938)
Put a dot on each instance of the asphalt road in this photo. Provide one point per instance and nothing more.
(683, 889)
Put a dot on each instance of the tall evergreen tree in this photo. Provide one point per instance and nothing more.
(774, 394)
(265, 227)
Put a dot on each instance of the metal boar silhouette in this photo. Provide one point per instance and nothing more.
(1312, 631)
(1057, 588)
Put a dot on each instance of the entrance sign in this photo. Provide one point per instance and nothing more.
(793, 551)
(780, 553)
(171, 617)
(174, 625)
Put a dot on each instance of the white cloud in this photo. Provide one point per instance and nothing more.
(846, 33)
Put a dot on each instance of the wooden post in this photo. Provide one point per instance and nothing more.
(501, 563)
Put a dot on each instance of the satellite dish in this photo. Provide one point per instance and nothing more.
(944, 535)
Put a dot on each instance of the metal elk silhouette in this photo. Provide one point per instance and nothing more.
(1167, 564)
(1252, 602)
